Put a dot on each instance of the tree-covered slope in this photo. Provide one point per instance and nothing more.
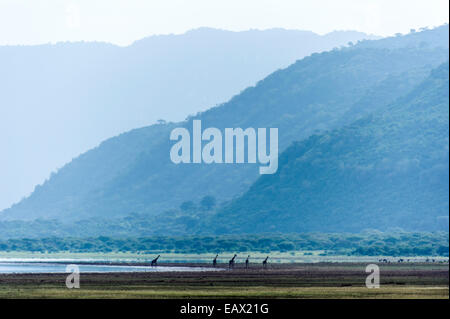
(389, 169)
(132, 173)
(60, 100)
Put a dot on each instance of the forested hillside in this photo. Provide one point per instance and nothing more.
(60, 100)
(389, 169)
(132, 173)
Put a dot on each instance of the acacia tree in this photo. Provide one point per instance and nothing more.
(208, 202)
(187, 206)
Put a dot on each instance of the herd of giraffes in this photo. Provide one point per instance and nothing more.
(247, 262)
(230, 263)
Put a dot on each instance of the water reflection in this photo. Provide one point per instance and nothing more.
(38, 267)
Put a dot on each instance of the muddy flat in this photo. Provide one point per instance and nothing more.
(318, 280)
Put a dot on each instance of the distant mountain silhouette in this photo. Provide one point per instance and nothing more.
(132, 173)
(58, 101)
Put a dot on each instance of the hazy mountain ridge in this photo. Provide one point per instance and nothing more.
(403, 148)
(316, 93)
(58, 101)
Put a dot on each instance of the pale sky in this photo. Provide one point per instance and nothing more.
(122, 22)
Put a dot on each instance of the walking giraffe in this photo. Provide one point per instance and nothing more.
(265, 262)
(155, 261)
(231, 262)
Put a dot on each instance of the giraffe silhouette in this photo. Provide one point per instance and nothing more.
(215, 261)
(231, 262)
(155, 261)
(265, 262)
(247, 262)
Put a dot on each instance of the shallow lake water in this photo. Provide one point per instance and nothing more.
(55, 267)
